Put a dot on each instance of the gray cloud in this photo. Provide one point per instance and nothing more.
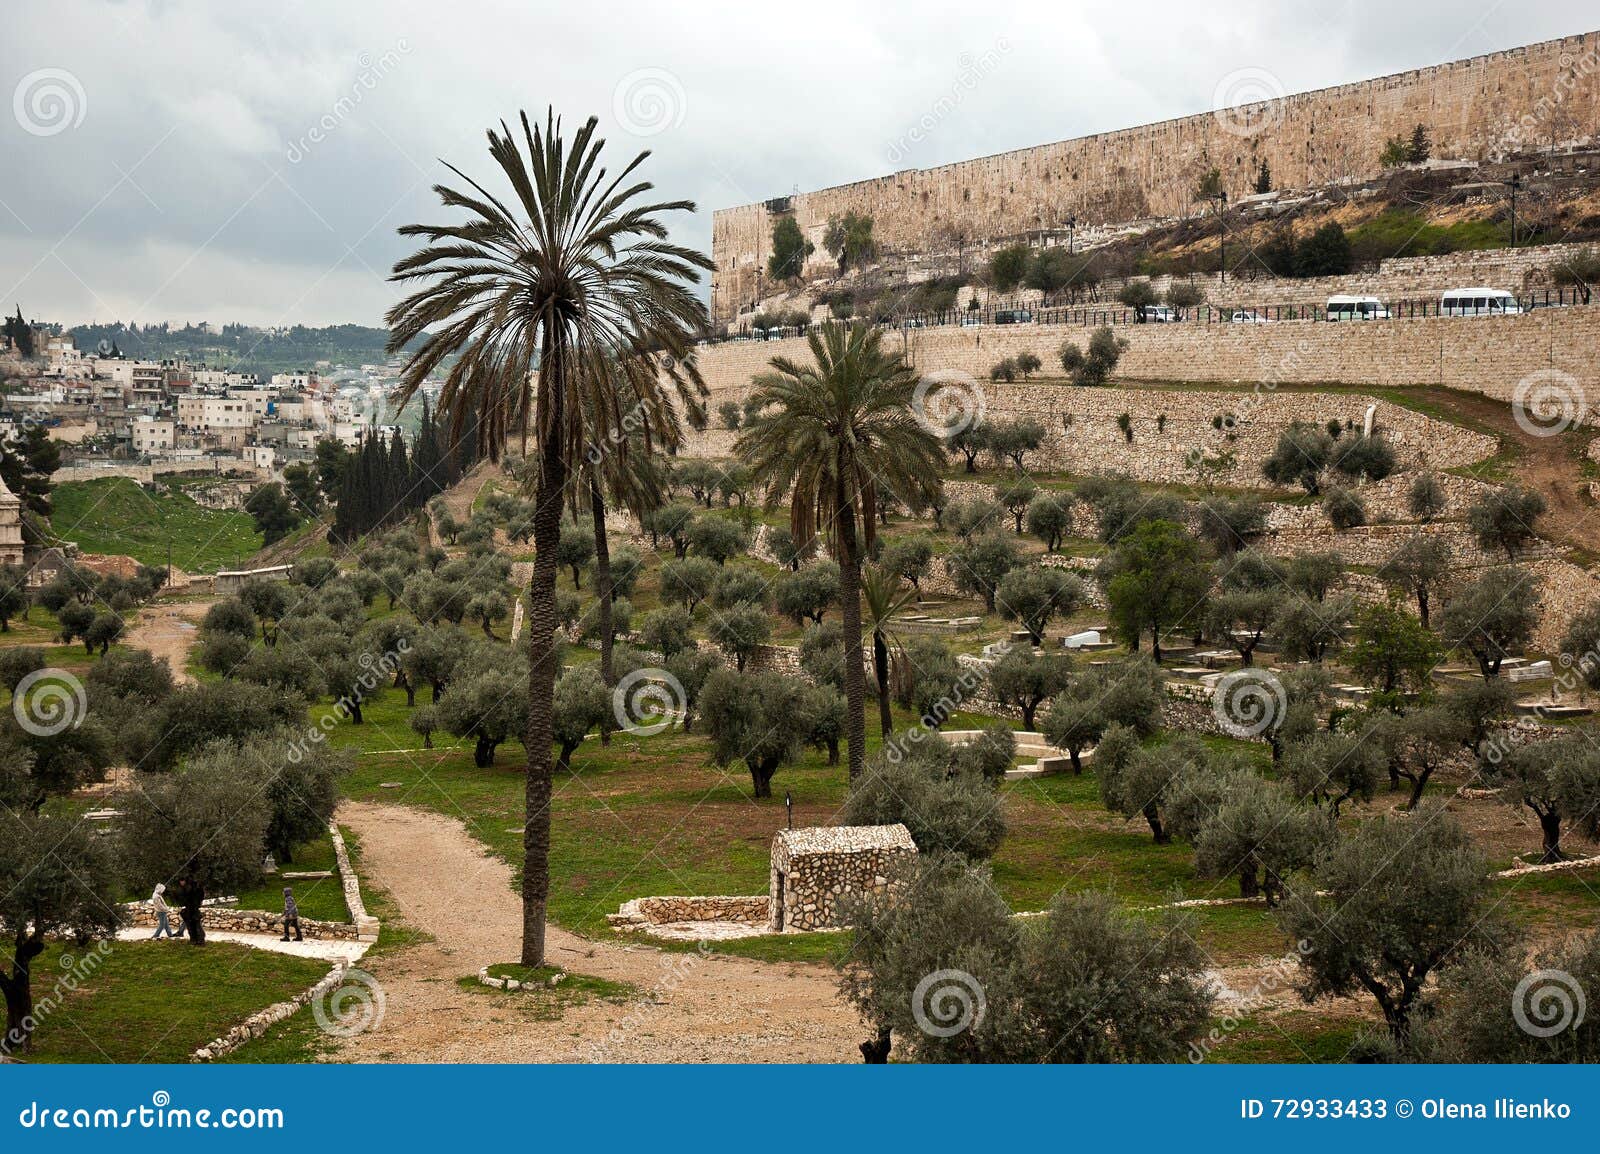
(252, 161)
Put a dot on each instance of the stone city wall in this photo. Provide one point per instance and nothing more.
(1476, 109)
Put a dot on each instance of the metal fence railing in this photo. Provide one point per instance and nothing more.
(1095, 316)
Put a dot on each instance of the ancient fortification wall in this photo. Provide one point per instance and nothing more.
(1488, 355)
(1476, 109)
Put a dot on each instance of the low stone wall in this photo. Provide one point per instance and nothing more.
(261, 1021)
(215, 918)
(656, 911)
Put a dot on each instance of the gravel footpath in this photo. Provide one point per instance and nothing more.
(693, 1007)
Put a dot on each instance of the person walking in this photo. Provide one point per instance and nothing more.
(291, 915)
(163, 914)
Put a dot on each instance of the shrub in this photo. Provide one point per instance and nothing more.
(1344, 508)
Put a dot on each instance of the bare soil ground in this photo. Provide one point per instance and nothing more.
(168, 629)
(693, 1007)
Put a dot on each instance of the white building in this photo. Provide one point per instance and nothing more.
(153, 436)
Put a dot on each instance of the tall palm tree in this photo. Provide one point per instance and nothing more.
(570, 278)
(833, 435)
(885, 599)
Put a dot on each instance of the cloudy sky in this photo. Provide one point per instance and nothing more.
(168, 160)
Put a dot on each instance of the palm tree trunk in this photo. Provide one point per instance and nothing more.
(855, 689)
(542, 677)
(880, 668)
(602, 586)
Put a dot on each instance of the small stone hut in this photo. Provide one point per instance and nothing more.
(813, 868)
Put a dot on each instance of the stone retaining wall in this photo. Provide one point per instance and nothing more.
(1170, 426)
(1487, 355)
(215, 918)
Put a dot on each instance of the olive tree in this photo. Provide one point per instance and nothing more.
(1493, 617)
(1385, 908)
(57, 880)
(1050, 518)
(1416, 569)
(200, 830)
(911, 781)
(1088, 983)
(1034, 594)
(1504, 518)
(806, 593)
(1558, 781)
(1023, 680)
(755, 718)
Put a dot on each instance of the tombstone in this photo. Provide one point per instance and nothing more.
(1366, 421)
(813, 868)
(1538, 671)
(1079, 640)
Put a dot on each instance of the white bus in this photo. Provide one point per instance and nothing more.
(1478, 302)
(1354, 308)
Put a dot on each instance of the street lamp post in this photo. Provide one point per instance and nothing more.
(1222, 215)
(1515, 182)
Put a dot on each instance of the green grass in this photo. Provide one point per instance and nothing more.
(321, 898)
(160, 1001)
(116, 515)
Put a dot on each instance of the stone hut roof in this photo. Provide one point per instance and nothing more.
(843, 839)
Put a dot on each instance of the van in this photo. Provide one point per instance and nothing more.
(1158, 314)
(1356, 308)
(1013, 317)
(1478, 302)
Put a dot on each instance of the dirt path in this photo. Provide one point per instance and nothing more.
(695, 1008)
(1546, 465)
(169, 629)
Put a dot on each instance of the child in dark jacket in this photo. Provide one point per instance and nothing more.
(291, 915)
